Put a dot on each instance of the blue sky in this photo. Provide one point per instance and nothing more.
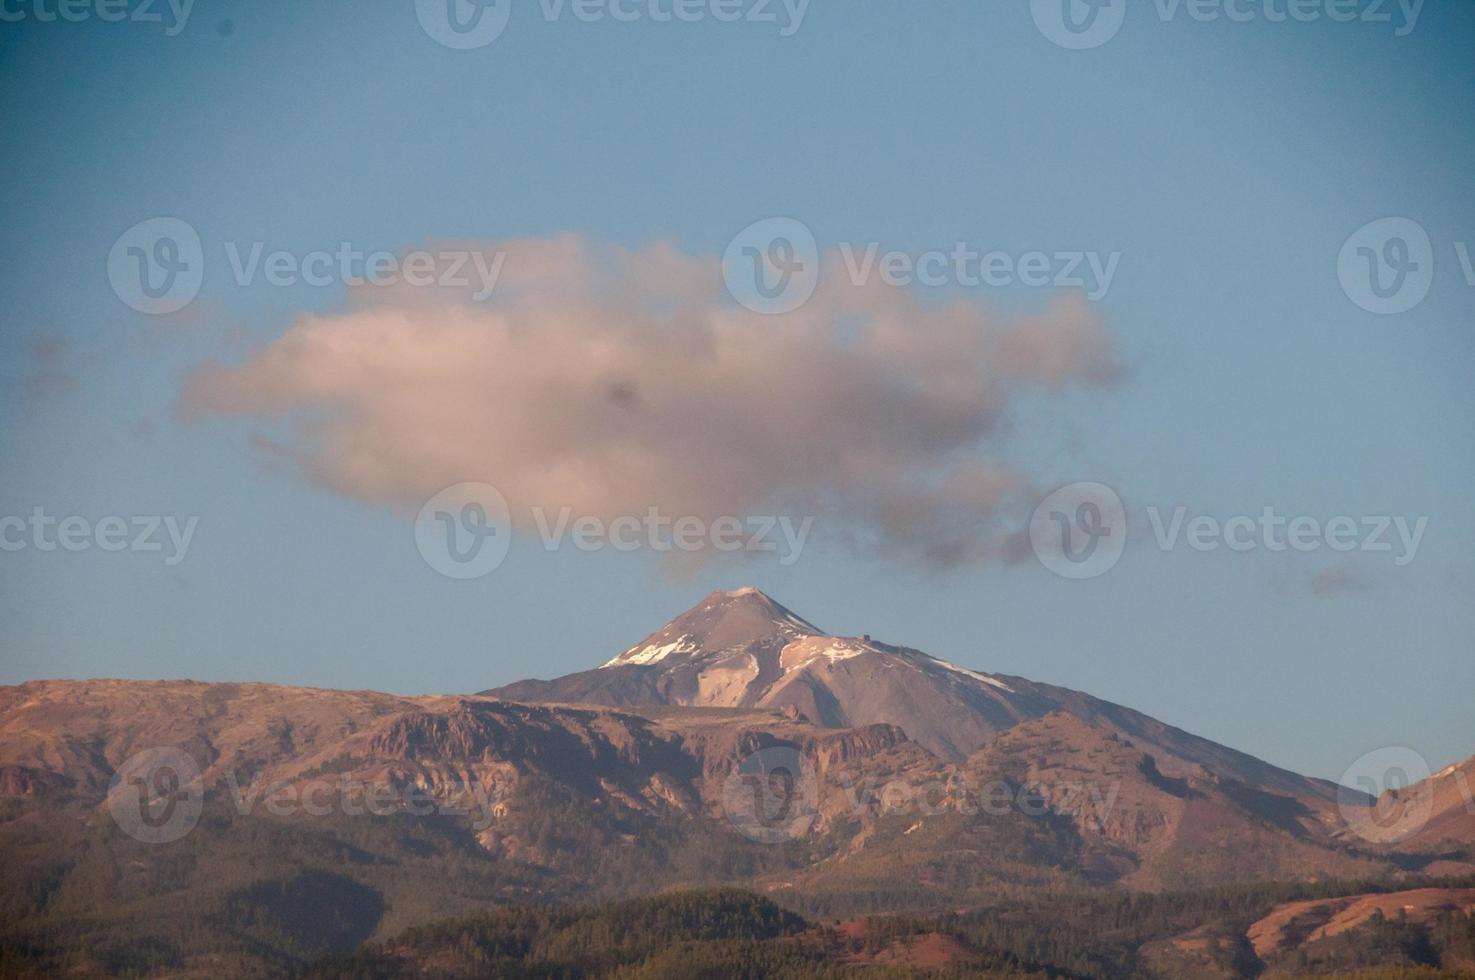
(1227, 163)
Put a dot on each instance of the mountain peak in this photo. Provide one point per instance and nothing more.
(722, 622)
(740, 648)
(747, 595)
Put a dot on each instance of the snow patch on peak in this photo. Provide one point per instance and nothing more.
(794, 623)
(994, 681)
(843, 650)
(803, 652)
(652, 653)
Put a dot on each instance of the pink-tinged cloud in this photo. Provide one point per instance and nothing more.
(612, 381)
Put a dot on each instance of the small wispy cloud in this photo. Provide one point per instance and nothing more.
(1337, 580)
(51, 371)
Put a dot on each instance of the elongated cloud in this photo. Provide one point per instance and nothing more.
(612, 381)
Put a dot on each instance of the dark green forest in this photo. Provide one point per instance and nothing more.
(731, 933)
(346, 897)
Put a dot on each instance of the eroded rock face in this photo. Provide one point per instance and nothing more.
(27, 781)
(1134, 807)
(471, 752)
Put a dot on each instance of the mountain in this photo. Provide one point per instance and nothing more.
(1451, 794)
(744, 649)
(312, 820)
(63, 742)
(740, 745)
